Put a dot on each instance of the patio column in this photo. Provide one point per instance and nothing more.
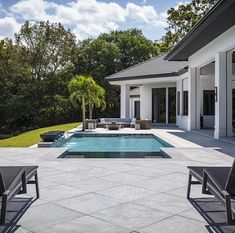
(192, 99)
(125, 101)
(197, 99)
(167, 105)
(146, 102)
(229, 94)
(220, 98)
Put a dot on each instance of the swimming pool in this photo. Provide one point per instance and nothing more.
(112, 145)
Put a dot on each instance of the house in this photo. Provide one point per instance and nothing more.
(193, 85)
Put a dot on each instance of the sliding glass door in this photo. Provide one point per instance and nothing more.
(159, 105)
(172, 105)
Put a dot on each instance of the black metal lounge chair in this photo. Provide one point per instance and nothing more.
(13, 181)
(217, 181)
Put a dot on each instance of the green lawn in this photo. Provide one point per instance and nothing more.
(32, 137)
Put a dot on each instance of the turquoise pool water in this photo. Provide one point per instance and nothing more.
(108, 145)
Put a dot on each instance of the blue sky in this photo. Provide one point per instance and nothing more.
(88, 18)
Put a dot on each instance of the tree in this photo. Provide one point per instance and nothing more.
(50, 47)
(133, 46)
(180, 20)
(14, 82)
(110, 53)
(85, 90)
(96, 98)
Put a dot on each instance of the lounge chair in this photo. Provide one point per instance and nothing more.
(217, 181)
(13, 181)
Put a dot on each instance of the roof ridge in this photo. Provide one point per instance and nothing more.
(138, 64)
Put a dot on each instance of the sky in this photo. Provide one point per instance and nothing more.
(88, 18)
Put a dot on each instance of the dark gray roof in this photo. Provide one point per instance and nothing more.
(219, 18)
(153, 68)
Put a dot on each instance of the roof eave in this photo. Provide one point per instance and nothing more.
(172, 55)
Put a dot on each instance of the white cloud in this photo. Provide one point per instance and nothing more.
(8, 26)
(87, 18)
(145, 14)
(181, 3)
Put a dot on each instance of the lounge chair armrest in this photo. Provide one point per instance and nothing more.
(6, 192)
(225, 193)
(207, 174)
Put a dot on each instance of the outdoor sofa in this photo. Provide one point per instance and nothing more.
(217, 181)
(13, 181)
(125, 122)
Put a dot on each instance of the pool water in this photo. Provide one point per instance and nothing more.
(111, 145)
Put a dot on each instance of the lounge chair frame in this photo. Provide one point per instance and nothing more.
(208, 178)
(18, 186)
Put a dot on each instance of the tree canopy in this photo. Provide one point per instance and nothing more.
(180, 20)
(37, 66)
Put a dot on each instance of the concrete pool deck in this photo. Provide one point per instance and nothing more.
(120, 195)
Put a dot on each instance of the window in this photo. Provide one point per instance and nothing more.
(208, 102)
(185, 103)
(178, 103)
(137, 110)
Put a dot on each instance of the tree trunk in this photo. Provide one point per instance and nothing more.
(90, 110)
(83, 114)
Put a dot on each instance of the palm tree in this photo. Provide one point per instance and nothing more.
(97, 99)
(85, 90)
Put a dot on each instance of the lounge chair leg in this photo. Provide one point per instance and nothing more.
(189, 185)
(3, 209)
(230, 220)
(204, 183)
(24, 183)
(36, 184)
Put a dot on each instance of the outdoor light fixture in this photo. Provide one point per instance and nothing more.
(216, 94)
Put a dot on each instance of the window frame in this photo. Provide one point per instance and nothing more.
(185, 103)
(178, 103)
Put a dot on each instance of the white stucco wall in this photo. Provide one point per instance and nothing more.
(181, 120)
(224, 42)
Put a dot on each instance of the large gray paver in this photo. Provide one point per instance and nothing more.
(126, 193)
(158, 184)
(39, 218)
(93, 184)
(22, 230)
(177, 177)
(95, 172)
(196, 191)
(124, 178)
(59, 192)
(88, 203)
(67, 178)
(166, 202)
(85, 224)
(131, 216)
(146, 171)
(176, 224)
